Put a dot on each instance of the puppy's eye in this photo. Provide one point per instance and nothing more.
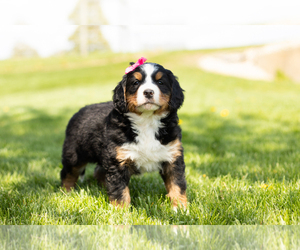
(160, 82)
(136, 82)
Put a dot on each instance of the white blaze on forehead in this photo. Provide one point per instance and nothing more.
(148, 84)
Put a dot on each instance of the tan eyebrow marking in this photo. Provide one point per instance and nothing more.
(158, 75)
(138, 76)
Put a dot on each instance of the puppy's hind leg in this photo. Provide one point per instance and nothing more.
(72, 167)
(69, 175)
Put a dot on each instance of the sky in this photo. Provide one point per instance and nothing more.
(142, 24)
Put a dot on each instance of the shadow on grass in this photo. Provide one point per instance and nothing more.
(246, 146)
(30, 145)
(32, 129)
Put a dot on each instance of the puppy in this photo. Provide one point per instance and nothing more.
(137, 132)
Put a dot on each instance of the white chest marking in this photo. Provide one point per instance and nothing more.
(147, 152)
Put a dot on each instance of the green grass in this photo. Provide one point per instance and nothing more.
(242, 163)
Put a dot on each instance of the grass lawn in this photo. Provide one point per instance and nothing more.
(241, 141)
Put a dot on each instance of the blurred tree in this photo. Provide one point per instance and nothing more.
(22, 50)
(88, 37)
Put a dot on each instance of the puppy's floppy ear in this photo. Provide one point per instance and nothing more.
(177, 96)
(119, 95)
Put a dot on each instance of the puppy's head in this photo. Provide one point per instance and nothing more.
(148, 88)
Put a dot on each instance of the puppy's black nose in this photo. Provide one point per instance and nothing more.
(148, 93)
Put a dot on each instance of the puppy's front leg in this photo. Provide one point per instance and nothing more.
(117, 181)
(175, 183)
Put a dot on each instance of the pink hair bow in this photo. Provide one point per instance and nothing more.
(138, 63)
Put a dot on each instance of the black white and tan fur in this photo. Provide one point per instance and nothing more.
(135, 133)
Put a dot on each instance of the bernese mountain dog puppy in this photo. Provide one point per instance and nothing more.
(135, 133)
